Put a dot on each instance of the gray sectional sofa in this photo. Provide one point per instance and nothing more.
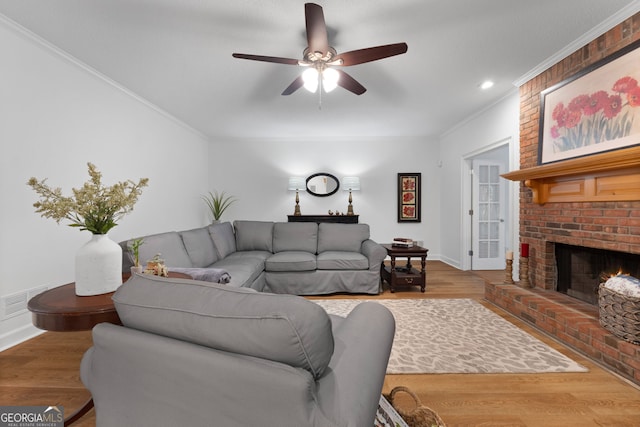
(297, 258)
(194, 353)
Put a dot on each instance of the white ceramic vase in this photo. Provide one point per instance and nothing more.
(98, 266)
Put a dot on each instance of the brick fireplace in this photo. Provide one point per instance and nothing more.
(601, 223)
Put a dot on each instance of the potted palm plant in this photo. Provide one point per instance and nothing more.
(218, 203)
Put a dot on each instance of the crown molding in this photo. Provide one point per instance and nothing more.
(30, 35)
(624, 13)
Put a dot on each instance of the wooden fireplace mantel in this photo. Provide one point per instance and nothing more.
(610, 176)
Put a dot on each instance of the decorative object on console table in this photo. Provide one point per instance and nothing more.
(350, 183)
(296, 184)
(407, 275)
(524, 265)
(508, 279)
(592, 111)
(95, 208)
(409, 189)
(343, 219)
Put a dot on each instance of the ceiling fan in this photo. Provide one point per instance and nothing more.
(320, 58)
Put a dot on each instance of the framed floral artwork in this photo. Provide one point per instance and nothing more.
(593, 111)
(409, 189)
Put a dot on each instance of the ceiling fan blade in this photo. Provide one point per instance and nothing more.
(275, 59)
(316, 28)
(350, 84)
(294, 86)
(369, 54)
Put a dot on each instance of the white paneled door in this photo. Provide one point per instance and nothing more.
(488, 224)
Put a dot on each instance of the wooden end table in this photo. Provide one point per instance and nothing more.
(61, 310)
(405, 276)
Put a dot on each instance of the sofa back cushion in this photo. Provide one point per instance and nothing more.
(169, 245)
(199, 246)
(254, 235)
(295, 236)
(341, 237)
(223, 238)
(282, 328)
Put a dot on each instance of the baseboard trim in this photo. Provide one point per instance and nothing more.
(18, 336)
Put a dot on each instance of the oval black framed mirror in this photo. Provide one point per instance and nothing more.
(322, 184)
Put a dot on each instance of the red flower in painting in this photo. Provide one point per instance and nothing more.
(579, 102)
(625, 84)
(600, 116)
(613, 107)
(596, 103)
(573, 118)
(408, 184)
(407, 197)
(633, 97)
(408, 211)
(558, 114)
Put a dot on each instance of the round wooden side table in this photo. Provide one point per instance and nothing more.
(61, 310)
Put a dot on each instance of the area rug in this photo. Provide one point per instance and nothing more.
(447, 336)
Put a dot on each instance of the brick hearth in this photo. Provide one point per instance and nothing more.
(570, 321)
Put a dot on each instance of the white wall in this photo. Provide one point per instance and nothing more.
(497, 123)
(55, 117)
(257, 171)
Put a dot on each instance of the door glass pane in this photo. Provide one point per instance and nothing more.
(484, 230)
(483, 176)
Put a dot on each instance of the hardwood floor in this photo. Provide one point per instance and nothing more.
(44, 371)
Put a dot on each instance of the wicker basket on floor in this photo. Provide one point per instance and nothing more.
(420, 415)
(620, 314)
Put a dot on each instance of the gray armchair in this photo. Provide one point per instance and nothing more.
(201, 354)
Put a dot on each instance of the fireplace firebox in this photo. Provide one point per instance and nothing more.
(581, 270)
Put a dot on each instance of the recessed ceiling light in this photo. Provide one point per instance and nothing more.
(486, 84)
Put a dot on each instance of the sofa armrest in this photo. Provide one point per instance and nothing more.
(353, 382)
(374, 252)
(137, 378)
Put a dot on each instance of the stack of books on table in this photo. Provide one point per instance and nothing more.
(402, 242)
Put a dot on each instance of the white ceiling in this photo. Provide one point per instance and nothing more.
(176, 54)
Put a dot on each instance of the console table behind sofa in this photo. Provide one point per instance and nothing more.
(343, 219)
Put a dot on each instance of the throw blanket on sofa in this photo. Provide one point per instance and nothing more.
(216, 275)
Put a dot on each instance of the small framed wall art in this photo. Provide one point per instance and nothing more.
(409, 189)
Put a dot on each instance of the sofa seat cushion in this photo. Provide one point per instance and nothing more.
(295, 236)
(339, 260)
(281, 328)
(341, 237)
(291, 261)
(199, 246)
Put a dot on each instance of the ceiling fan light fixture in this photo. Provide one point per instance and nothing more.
(330, 79)
(310, 79)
